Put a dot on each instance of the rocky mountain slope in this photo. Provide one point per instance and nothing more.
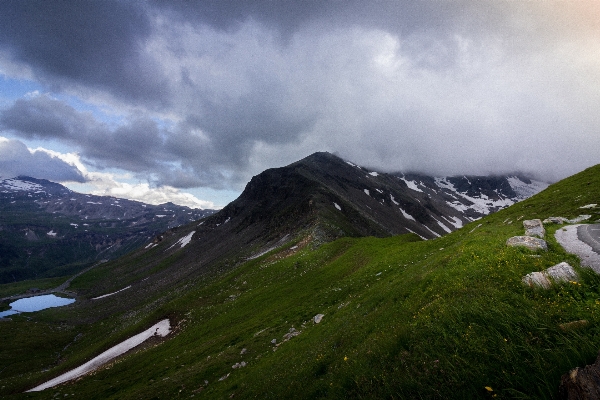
(364, 317)
(308, 203)
(332, 198)
(49, 230)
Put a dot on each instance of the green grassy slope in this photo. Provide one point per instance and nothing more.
(404, 318)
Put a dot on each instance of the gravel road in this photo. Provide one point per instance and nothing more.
(569, 239)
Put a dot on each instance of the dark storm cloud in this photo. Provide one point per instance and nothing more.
(93, 43)
(224, 89)
(17, 160)
(134, 145)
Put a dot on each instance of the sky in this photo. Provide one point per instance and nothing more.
(185, 101)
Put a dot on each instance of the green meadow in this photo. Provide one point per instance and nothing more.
(402, 319)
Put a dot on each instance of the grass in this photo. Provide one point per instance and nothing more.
(445, 318)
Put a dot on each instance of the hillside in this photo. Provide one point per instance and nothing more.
(47, 230)
(402, 317)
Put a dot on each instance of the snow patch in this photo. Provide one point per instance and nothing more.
(184, 241)
(406, 215)
(436, 234)
(525, 190)
(373, 173)
(415, 233)
(367, 192)
(110, 294)
(162, 329)
(394, 200)
(337, 206)
(17, 184)
(51, 233)
(444, 227)
(412, 185)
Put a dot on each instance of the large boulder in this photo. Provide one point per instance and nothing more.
(527, 241)
(581, 383)
(534, 227)
(558, 273)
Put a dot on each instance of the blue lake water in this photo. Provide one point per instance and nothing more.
(36, 303)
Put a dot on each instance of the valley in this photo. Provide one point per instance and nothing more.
(398, 316)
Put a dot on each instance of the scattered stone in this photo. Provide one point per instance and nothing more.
(527, 241)
(581, 383)
(318, 318)
(239, 365)
(558, 273)
(562, 272)
(244, 350)
(589, 206)
(579, 219)
(556, 220)
(534, 227)
(223, 377)
(293, 332)
(537, 279)
(568, 326)
(274, 341)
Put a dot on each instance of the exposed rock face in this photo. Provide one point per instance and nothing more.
(527, 241)
(558, 273)
(581, 383)
(534, 227)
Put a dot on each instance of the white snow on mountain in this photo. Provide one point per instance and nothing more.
(412, 185)
(405, 214)
(525, 190)
(17, 184)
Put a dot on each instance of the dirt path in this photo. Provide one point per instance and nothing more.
(59, 289)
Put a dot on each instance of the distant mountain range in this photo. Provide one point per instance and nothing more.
(49, 230)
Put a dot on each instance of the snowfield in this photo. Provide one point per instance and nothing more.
(162, 328)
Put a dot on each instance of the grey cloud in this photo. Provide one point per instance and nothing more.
(94, 43)
(441, 87)
(17, 160)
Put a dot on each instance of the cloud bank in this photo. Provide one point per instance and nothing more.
(17, 160)
(207, 94)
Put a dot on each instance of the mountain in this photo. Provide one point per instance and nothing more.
(327, 198)
(49, 230)
(354, 317)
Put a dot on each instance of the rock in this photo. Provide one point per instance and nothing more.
(534, 227)
(244, 350)
(579, 219)
(223, 377)
(569, 326)
(293, 332)
(589, 206)
(558, 273)
(562, 272)
(527, 241)
(317, 318)
(537, 279)
(239, 365)
(274, 341)
(581, 383)
(556, 220)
